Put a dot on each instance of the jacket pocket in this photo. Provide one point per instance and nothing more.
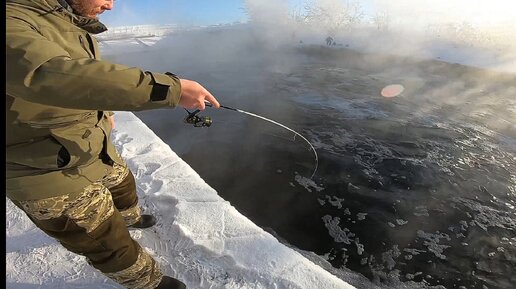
(82, 145)
(63, 158)
(41, 154)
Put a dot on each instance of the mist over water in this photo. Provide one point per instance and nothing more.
(416, 191)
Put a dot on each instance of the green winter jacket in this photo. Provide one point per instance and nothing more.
(58, 95)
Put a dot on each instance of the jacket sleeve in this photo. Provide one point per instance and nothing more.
(40, 71)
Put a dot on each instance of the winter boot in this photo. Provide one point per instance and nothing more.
(170, 283)
(145, 221)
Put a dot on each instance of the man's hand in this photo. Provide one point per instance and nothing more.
(193, 95)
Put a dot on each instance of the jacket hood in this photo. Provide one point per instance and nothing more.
(62, 9)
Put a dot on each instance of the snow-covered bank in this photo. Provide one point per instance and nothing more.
(200, 238)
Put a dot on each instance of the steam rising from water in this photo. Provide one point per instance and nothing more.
(474, 32)
(479, 33)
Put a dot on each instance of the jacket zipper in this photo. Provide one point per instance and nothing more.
(81, 40)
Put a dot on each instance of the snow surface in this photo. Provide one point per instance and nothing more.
(200, 238)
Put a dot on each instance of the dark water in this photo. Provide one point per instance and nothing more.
(413, 191)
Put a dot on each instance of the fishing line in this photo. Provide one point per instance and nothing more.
(192, 115)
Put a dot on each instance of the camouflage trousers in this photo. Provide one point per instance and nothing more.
(93, 223)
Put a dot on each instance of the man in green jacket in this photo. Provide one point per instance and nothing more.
(62, 169)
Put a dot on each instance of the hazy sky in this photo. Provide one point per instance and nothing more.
(184, 12)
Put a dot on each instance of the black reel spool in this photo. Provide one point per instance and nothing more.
(197, 120)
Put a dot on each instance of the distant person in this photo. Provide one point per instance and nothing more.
(62, 168)
(330, 41)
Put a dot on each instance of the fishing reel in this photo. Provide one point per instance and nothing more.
(197, 120)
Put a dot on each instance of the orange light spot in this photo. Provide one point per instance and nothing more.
(392, 90)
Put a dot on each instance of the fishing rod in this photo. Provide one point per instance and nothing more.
(205, 121)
